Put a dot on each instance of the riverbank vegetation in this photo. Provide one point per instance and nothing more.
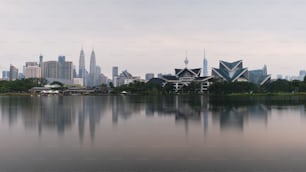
(20, 86)
(274, 88)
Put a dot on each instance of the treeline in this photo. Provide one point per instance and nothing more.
(141, 88)
(223, 88)
(20, 86)
(155, 89)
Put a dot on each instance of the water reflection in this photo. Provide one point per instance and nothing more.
(62, 113)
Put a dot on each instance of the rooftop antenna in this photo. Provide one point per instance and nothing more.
(186, 60)
(204, 54)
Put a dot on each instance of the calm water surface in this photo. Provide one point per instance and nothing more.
(176, 133)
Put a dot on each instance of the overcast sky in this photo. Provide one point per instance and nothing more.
(153, 35)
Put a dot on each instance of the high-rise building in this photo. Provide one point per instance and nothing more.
(115, 76)
(61, 59)
(65, 69)
(82, 64)
(41, 60)
(92, 69)
(31, 70)
(205, 65)
(115, 71)
(13, 73)
(97, 80)
(75, 75)
(149, 76)
(5, 75)
(82, 69)
(50, 69)
(279, 76)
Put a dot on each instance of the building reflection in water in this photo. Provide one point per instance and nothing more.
(56, 113)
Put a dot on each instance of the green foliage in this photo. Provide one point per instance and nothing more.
(233, 87)
(20, 85)
(139, 88)
(103, 88)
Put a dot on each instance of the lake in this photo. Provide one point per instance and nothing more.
(166, 133)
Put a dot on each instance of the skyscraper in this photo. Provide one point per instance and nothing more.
(92, 69)
(41, 60)
(82, 64)
(13, 73)
(50, 69)
(115, 76)
(61, 59)
(5, 75)
(31, 70)
(205, 65)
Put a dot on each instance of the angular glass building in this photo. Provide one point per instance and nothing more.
(234, 71)
(231, 71)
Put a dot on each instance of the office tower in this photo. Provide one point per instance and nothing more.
(50, 69)
(13, 73)
(31, 70)
(97, 80)
(205, 66)
(5, 75)
(41, 60)
(92, 69)
(149, 76)
(65, 70)
(61, 59)
(75, 75)
(115, 76)
(115, 71)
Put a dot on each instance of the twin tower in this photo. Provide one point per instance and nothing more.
(89, 79)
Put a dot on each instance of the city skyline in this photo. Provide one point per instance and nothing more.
(153, 36)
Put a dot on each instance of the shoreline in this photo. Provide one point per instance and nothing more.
(209, 95)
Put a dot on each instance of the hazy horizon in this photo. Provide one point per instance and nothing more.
(153, 36)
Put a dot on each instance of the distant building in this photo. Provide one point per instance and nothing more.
(103, 79)
(74, 72)
(21, 76)
(61, 59)
(13, 73)
(149, 76)
(31, 70)
(41, 60)
(231, 71)
(182, 78)
(279, 76)
(259, 76)
(50, 69)
(6, 75)
(78, 81)
(205, 65)
(302, 74)
(82, 69)
(160, 75)
(126, 78)
(234, 71)
(115, 76)
(65, 69)
(92, 69)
